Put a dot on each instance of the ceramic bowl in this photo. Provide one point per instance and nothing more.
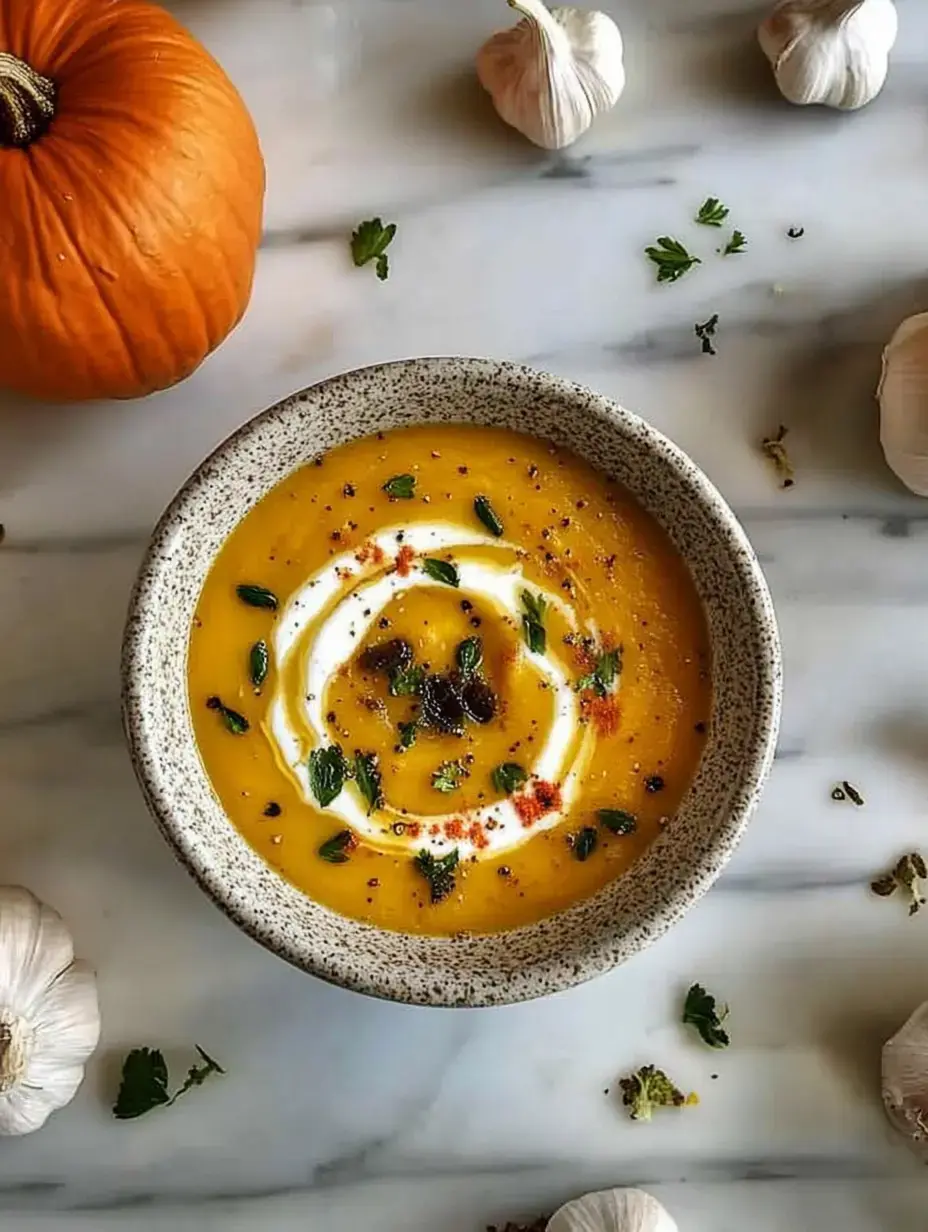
(591, 936)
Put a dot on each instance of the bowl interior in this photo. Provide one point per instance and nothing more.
(591, 936)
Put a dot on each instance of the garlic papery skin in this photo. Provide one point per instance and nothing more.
(903, 398)
(49, 1015)
(905, 1080)
(834, 52)
(612, 1210)
(554, 73)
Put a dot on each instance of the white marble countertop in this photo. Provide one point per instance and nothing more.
(342, 1113)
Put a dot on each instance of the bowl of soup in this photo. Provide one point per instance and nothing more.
(450, 681)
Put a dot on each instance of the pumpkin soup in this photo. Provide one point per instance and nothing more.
(449, 678)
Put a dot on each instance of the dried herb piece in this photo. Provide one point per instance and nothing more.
(706, 332)
(699, 1011)
(392, 656)
(736, 244)
(618, 821)
(441, 571)
(408, 732)
(796, 233)
(533, 622)
(775, 450)
(442, 706)
(671, 258)
(649, 1088)
(370, 242)
(837, 793)
(336, 849)
(604, 674)
(487, 515)
(259, 659)
(406, 682)
(509, 777)
(478, 699)
(448, 776)
(400, 487)
(327, 773)
(853, 794)
(144, 1082)
(584, 843)
(712, 213)
(236, 723)
(368, 778)
(469, 655)
(438, 872)
(906, 875)
(257, 596)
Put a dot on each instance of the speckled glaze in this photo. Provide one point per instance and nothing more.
(567, 948)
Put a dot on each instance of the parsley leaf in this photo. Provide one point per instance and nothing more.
(400, 487)
(236, 723)
(583, 843)
(604, 674)
(487, 515)
(258, 662)
(441, 571)
(327, 773)
(736, 244)
(706, 332)
(649, 1088)
(448, 776)
(671, 258)
(408, 732)
(618, 821)
(509, 776)
(699, 1011)
(369, 243)
(144, 1082)
(335, 849)
(533, 622)
(438, 872)
(469, 655)
(712, 213)
(257, 596)
(406, 681)
(367, 777)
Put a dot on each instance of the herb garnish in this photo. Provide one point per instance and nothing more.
(487, 515)
(391, 656)
(706, 332)
(618, 821)
(408, 732)
(235, 722)
(671, 258)
(796, 233)
(712, 213)
(144, 1083)
(508, 777)
(649, 1088)
(847, 791)
(257, 596)
(367, 777)
(327, 773)
(533, 622)
(441, 571)
(400, 487)
(258, 661)
(442, 705)
(775, 450)
(469, 655)
(583, 843)
(478, 699)
(736, 244)
(335, 849)
(406, 681)
(699, 1011)
(448, 776)
(438, 872)
(369, 243)
(904, 876)
(604, 674)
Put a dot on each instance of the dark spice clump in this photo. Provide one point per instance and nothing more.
(654, 784)
(442, 704)
(273, 809)
(392, 656)
(479, 700)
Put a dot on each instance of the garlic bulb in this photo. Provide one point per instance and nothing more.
(834, 52)
(903, 397)
(612, 1210)
(905, 1080)
(49, 1019)
(554, 73)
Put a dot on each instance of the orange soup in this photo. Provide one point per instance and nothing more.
(449, 678)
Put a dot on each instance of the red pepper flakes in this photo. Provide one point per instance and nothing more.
(404, 559)
(538, 799)
(454, 828)
(602, 711)
(477, 835)
(434, 830)
(351, 843)
(413, 829)
(369, 552)
(343, 575)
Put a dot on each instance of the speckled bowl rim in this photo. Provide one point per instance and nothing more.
(444, 971)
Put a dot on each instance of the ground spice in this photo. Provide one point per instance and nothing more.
(477, 835)
(538, 799)
(454, 828)
(602, 712)
(404, 559)
(369, 552)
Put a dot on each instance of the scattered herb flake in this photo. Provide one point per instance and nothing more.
(649, 1088)
(327, 773)
(736, 244)
(469, 655)
(837, 793)
(583, 843)
(236, 723)
(448, 776)
(370, 242)
(906, 875)
(533, 622)
(618, 821)
(367, 776)
(258, 662)
(406, 681)
(671, 258)
(603, 675)
(408, 732)
(853, 794)
(706, 332)
(438, 872)
(508, 777)
(487, 515)
(400, 487)
(257, 596)
(796, 233)
(699, 1011)
(441, 571)
(144, 1083)
(336, 849)
(712, 213)
(774, 448)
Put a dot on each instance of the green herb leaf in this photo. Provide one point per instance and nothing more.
(257, 596)
(487, 515)
(438, 872)
(408, 732)
(369, 243)
(367, 777)
(649, 1088)
(737, 243)
(448, 776)
(198, 1074)
(509, 777)
(144, 1083)
(406, 681)
(400, 487)
(699, 1011)
(584, 843)
(236, 723)
(258, 662)
(706, 332)
(712, 213)
(671, 258)
(533, 622)
(469, 655)
(618, 821)
(327, 773)
(441, 571)
(335, 849)
(604, 674)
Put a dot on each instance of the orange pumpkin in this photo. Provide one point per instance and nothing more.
(131, 191)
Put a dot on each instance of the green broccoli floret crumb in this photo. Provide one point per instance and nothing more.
(649, 1088)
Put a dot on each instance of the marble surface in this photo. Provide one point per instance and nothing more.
(342, 1113)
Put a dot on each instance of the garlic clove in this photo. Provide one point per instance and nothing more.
(903, 399)
(35, 946)
(833, 52)
(905, 1080)
(613, 1210)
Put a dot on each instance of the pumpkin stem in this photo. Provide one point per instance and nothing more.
(27, 102)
